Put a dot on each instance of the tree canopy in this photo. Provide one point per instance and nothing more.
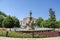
(1, 13)
(38, 21)
(8, 22)
(1, 19)
(51, 22)
(16, 22)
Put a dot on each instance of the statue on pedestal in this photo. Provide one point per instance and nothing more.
(30, 24)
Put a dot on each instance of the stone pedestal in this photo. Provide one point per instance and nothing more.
(29, 28)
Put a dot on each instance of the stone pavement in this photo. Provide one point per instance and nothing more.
(8, 38)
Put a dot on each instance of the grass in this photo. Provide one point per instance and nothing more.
(20, 34)
(2, 33)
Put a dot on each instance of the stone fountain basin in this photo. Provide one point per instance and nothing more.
(24, 29)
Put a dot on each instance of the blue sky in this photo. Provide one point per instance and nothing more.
(21, 8)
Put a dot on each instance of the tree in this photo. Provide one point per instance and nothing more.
(8, 22)
(16, 22)
(58, 24)
(1, 13)
(2, 16)
(1, 19)
(52, 19)
(38, 21)
(52, 15)
(45, 23)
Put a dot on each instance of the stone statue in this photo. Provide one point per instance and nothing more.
(30, 23)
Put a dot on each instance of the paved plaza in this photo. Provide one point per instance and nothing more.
(50, 38)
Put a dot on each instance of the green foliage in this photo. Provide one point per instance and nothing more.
(1, 19)
(58, 23)
(8, 22)
(2, 16)
(51, 22)
(16, 22)
(38, 21)
(52, 19)
(1, 13)
(52, 15)
(45, 23)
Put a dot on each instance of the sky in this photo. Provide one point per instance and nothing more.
(21, 8)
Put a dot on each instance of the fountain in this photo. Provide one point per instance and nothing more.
(31, 28)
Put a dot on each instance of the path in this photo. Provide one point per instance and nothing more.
(8, 38)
